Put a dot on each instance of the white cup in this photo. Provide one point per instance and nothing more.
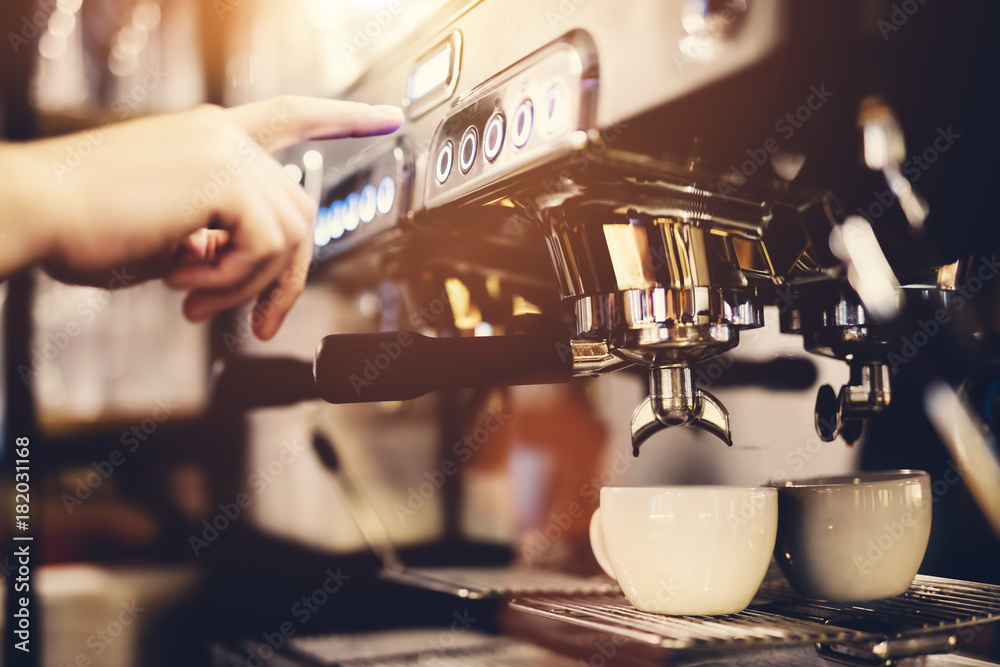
(686, 549)
(854, 537)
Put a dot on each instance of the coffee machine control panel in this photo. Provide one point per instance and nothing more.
(532, 112)
(373, 199)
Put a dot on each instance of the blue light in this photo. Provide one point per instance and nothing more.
(386, 194)
(321, 232)
(336, 219)
(352, 216)
(366, 207)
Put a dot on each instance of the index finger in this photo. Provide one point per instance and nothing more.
(286, 120)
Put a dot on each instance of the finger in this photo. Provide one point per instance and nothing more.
(202, 304)
(230, 269)
(297, 212)
(283, 121)
(202, 246)
(281, 210)
(258, 238)
(279, 298)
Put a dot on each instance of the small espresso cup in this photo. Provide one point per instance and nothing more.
(700, 550)
(853, 537)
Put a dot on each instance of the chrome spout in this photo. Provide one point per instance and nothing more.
(674, 401)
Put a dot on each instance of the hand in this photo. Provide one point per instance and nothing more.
(193, 197)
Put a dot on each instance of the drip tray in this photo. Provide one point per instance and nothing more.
(420, 648)
(477, 583)
(922, 621)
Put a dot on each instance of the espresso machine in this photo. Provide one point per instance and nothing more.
(634, 190)
(584, 188)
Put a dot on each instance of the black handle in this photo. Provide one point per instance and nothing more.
(397, 366)
(257, 382)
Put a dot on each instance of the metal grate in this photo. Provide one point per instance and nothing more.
(748, 629)
(920, 621)
(513, 654)
(931, 604)
(477, 583)
(421, 646)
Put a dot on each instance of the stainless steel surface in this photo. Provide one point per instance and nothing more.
(872, 395)
(560, 82)
(674, 401)
(833, 322)
(657, 324)
(626, 89)
(867, 393)
(807, 656)
(922, 620)
(593, 358)
(750, 629)
(675, 295)
(477, 583)
(422, 646)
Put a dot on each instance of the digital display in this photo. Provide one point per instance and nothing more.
(433, 72)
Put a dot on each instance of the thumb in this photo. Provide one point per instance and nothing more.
(283, 121)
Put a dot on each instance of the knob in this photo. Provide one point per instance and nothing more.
(827, 414)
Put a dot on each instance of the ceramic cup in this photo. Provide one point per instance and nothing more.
(686, 549)
(853, 537)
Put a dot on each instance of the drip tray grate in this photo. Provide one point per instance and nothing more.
(931, 604)
(748, 629)
(477, 583)
(921, 621)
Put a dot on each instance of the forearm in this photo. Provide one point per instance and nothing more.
(25, 227)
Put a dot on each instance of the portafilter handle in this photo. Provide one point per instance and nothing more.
(400, 365)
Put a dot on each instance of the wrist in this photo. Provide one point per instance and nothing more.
(26, 220)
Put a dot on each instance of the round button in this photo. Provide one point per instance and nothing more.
(367, 207)
(467, 154)
(445, 158)
(386, 194)
(521, 128)
(554, 110)
(352, 214)
(336, 219)
(493, 139)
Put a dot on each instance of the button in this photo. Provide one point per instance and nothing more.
(467, 155)
(366, 207)
(445, 158)
(522, 124)
(352, 216)
(336, 219)
(493, 140)
(386, 194)
(554, 109)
